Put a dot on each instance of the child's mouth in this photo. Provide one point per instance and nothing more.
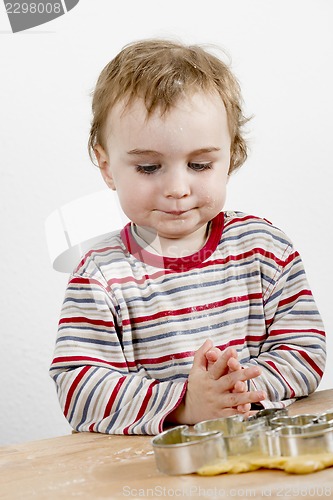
(177, 212)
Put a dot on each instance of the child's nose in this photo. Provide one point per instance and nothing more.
(176, 185)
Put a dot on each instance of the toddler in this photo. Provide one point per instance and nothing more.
(187, 313)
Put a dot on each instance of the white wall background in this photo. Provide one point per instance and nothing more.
(282, 54)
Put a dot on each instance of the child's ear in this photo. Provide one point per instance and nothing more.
(103, 163)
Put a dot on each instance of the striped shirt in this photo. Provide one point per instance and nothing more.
(131, 322)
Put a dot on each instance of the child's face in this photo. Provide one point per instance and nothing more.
(170, 171)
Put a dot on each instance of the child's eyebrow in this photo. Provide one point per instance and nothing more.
(209, 149)
(142, 152)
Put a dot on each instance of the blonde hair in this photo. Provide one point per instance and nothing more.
(160, 72)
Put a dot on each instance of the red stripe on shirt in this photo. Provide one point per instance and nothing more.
(99, 250)
(190, 310)
(169, 357)
(304, 356)
(84, 281)
(302, 330)
(67, 360)
(83, 319)
(293, 298)
(113, 397)
(141, 281)
(88, 282)
(73, 386)
(273, 365)
(143, 406)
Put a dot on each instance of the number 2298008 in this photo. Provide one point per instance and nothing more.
(33, 8)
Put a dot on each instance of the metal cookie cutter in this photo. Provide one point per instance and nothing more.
(296, 420)
(240, 436)
(183, 451)
(268, 414)
(327, 416)
(293, 440)
(180, 451)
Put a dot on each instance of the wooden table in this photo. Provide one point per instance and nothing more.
(98, 466)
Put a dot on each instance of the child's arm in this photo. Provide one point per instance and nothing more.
(210, 392)
(101, 387)
(292, 356)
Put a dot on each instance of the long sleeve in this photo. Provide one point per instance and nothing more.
(99, 388)
(293, 355)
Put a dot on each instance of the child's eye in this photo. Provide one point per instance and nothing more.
(147, 169)
(199, 167)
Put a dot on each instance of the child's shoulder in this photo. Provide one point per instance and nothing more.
(108, 248)
(251, 230)
(238, 218)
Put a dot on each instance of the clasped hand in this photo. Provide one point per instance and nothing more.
(217, 387)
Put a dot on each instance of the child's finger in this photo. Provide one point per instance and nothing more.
(220, 367)
(240, 386)
(228, 381)
(234, 364)
(212, 355)
(234, 400)
(244, 408)
(199, 360)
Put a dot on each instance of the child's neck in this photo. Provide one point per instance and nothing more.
(170, 247)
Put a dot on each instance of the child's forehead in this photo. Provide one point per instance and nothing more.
(200, 115)
(187, 102)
